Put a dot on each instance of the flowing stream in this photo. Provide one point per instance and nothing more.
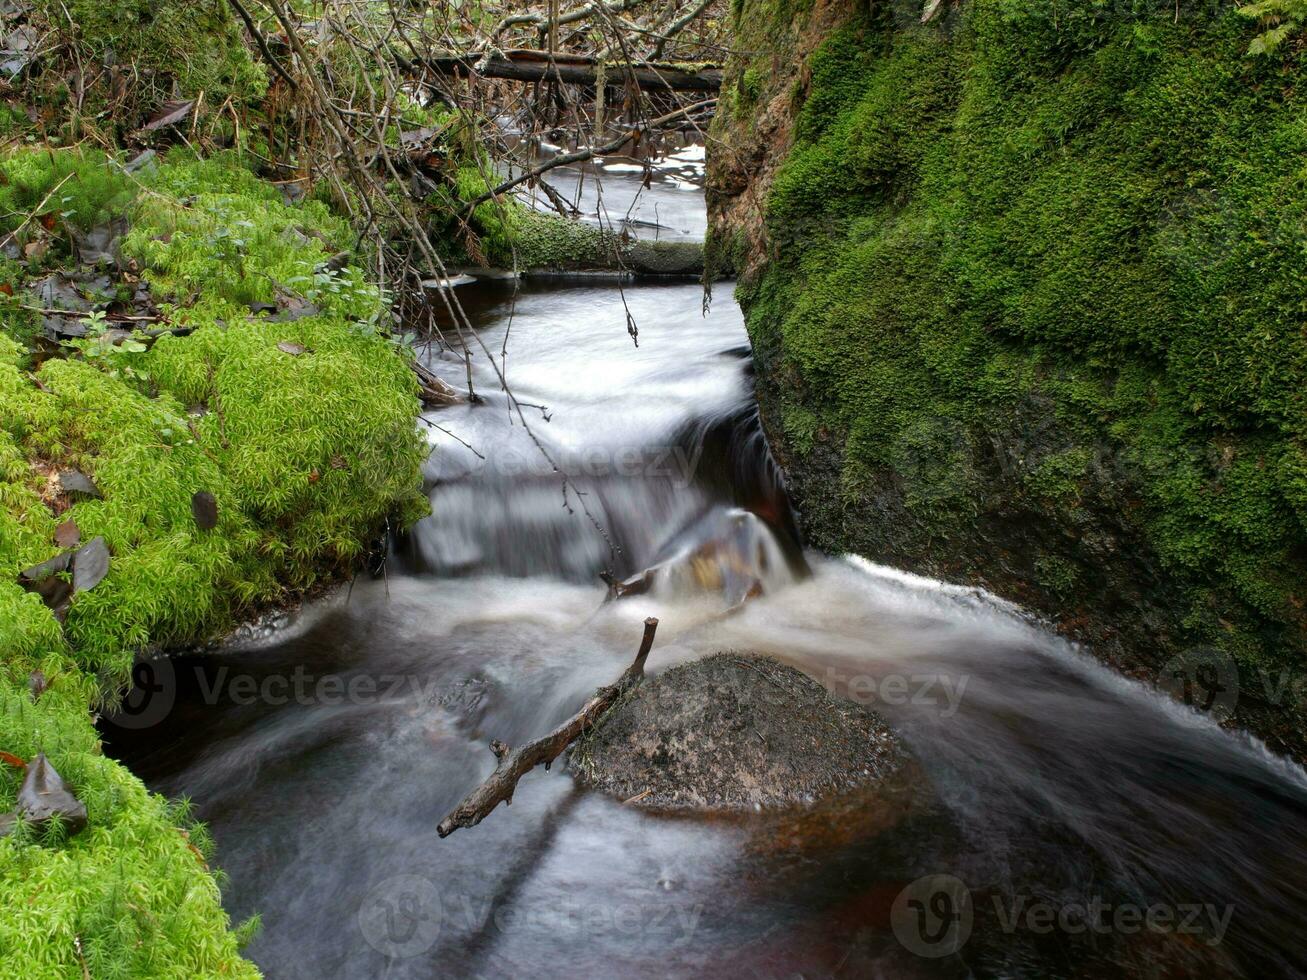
(323, 752)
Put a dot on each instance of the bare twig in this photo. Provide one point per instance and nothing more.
(513, 765)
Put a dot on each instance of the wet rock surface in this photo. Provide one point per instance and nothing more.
(735, 732)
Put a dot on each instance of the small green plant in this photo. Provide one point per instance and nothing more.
(1281, 20)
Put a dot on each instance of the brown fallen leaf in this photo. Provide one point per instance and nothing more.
(44, 797)
(67, 534)
(170, 113)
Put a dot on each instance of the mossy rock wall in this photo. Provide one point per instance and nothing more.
(1026, 288)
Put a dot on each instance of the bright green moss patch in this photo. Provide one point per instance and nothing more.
(300, 426)
(1039, 274)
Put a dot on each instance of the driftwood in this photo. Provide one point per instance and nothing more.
(433, 390)
(524, 65)
(513, 765)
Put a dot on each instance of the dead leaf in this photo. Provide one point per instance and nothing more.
(45, 797)
(74, 481)
(8, 758)
(36, 684)
(314, 476)
(339, 463)
(90, 564)
(204, 508)
(67, 534)
(170, 113)
(294, 350)
(51, 566)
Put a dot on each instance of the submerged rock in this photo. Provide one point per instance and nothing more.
(735, 732)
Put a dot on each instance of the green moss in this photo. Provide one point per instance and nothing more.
(308, 453)
(172, 47)
(78, 188)
(1030, 252)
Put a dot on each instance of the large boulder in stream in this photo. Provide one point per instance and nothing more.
(735, 732)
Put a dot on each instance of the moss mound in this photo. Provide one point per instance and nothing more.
(300, 426)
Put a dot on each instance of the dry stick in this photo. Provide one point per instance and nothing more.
(679, 26)
(262, 42)
(513, 765)
(581, 13)
(36, 210)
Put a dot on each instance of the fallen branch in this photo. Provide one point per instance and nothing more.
(525, 65)
(513, 765)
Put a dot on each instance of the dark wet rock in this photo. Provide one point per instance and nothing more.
(90, 564)
(735, 732)
(204, 508)
(45, 797)
(19, 48)
(336, 263)
(100, 245)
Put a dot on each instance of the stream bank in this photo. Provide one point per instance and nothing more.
(242, 460)
(995, 272)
